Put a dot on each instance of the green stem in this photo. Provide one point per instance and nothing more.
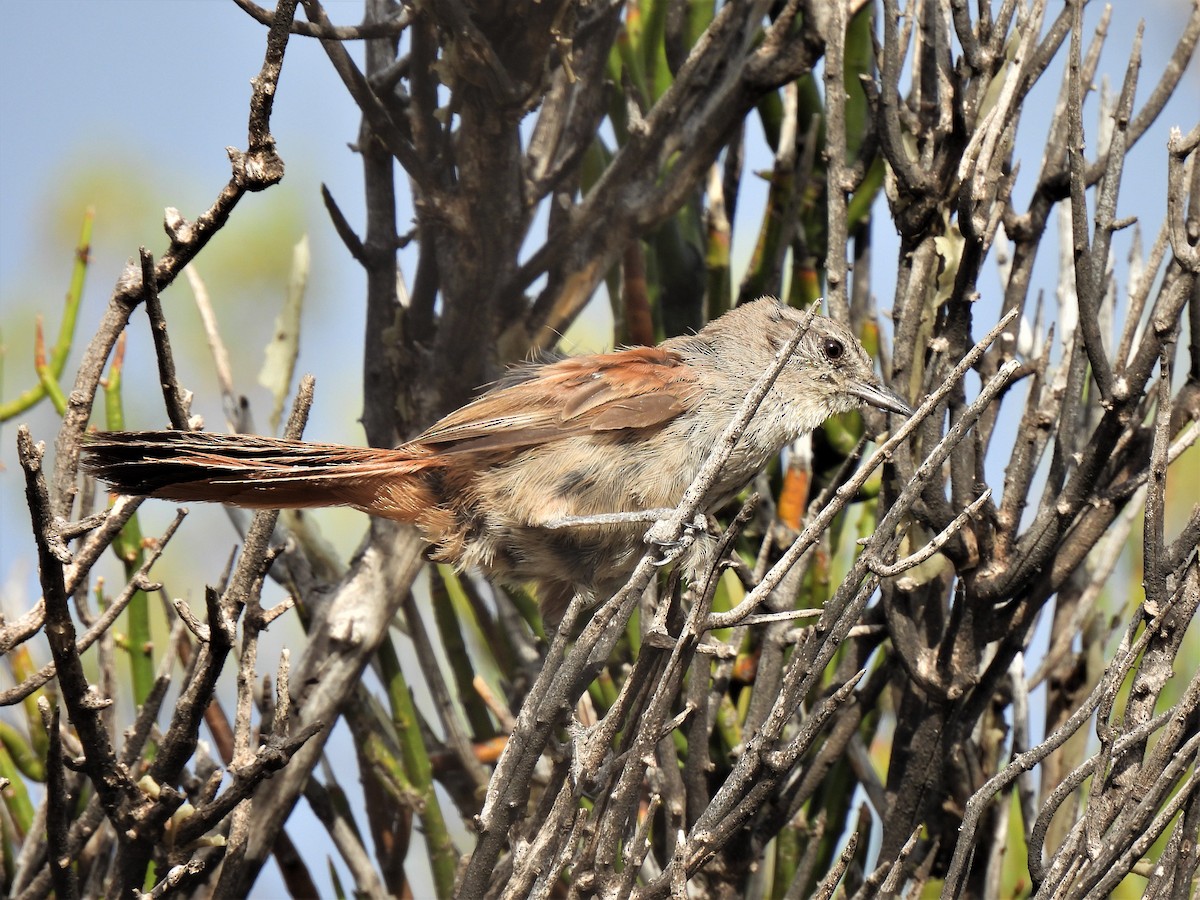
(16, 797)
(128, 548)
(443, 858)
(48, 380)
(447, 594)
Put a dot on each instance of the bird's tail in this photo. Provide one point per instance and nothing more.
(263, 473)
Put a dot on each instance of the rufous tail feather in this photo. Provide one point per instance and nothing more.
(263, 473)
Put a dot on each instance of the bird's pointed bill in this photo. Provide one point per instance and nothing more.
(878, 395)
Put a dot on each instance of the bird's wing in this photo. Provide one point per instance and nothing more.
(628, 389)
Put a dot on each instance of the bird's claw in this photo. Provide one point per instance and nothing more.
(669, 552)
(673, 547)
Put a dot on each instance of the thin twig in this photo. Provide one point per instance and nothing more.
(933, 545)
(58, 806)
(364, 32)
(234, 410)
(173, 396)
(138, 582)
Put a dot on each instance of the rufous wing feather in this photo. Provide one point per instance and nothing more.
(640, 387)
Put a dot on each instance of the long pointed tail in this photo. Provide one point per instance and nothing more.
(261, 472)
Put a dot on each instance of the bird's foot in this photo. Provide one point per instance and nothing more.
(671, 548)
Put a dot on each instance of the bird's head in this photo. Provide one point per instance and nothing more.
(828, 373)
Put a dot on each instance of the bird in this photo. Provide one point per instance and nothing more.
(543, 478)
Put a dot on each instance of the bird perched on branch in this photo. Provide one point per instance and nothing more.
(523, 483)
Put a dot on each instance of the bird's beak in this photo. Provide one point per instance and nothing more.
(878, 395)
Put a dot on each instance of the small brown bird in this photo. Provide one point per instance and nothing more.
(491, 485)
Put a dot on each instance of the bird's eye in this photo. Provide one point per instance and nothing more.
(833, 349)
